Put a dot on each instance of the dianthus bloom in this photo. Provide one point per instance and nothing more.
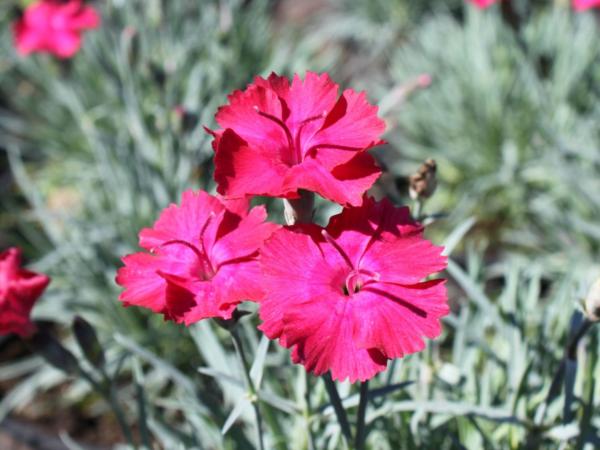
(483, 3)
(19, 290)
(54, 26)
(582, 5)
(201, 260)
(278, 137)
(351, 296)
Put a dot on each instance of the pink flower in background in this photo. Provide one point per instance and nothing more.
(277, 137)
(582, 5)
(201, 260)
(483, 3)
(54, 26)
(351, 296)
(19, 290)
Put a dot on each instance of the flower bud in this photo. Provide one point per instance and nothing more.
(422, 184)
(592, 302)
(46, 345)
(88, 342)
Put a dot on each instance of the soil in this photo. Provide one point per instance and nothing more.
(40, 424)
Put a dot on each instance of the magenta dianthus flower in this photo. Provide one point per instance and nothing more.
(582, 5)
(277, 137)
(19, 290)
(482, 4)
(201, 259)
(54, 26)
(349, 297)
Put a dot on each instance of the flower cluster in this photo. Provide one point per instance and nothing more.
(19, 290)
(54, 26)
(345, 298)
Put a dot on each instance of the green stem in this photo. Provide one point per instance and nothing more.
(336, 402)
(308, 413)
(359, 442)
(239, 349)
(418, 208)
(108, 393)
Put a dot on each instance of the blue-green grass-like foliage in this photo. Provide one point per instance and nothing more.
(95, 150)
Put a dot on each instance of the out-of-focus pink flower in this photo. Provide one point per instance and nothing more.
(54, 26)
(582, 5)
(483, 3)
(277, 137)
(351, 296)
(19, 290)
(201, 260)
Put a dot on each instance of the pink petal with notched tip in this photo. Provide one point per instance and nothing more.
(394, 319)
(241, 170)
(346, 184)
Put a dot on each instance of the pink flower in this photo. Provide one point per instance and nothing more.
(351, 296)
(201, 260)
(483, 3)
(582, 5)
(54, 26)
(19, 290)
(277, 138)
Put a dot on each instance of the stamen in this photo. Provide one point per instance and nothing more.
(201, 254)
(181, 242)
(298, 149)
(335, 245)
(358, 279)
(210, 218)
(278, 122)
(313, 118)
(335, 147)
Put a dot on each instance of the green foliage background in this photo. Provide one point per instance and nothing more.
(93, 148)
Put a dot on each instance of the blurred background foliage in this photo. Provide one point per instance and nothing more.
(92, 148)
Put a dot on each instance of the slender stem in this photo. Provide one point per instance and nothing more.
(308, 413)
(418, 208)
(571, 352)
(359, 442)
(107, 391)
(299, 210)
(239, 349)
(336, 402)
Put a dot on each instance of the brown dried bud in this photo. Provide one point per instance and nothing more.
(592, 302)
(422, 184)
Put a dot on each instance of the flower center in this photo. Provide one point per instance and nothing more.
(294, 140)
(356, 279)
(206, 271)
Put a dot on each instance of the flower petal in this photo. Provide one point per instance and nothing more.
(294, 271)
(345, 185)
(244, 239)
(352, 124)
(241, 170)
(322, 334)
(394, 319)
(143, 284)
(182, 222)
